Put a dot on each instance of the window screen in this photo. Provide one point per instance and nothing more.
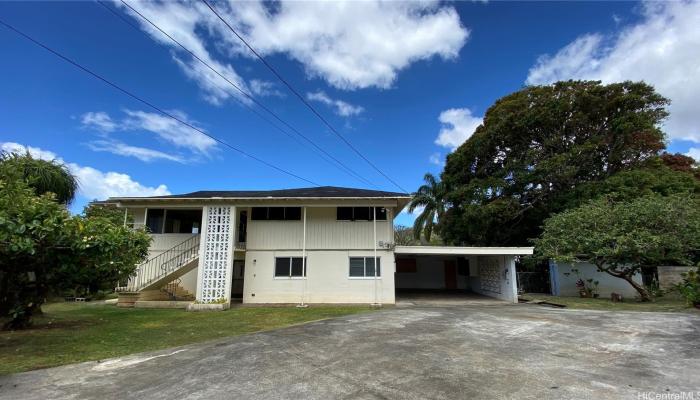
(360, 214)
(276, 214)
(363, 267)
(344, 213)
(289, 267)
(292, 213)
(259, 213)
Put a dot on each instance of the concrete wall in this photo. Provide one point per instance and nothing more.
(564, 280)
(496, 277)
(327, 279)
(671, 275)
(430, 274)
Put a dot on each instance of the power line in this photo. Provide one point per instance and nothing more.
(339, 163)
(151, 105)
(303, 100)
(253, 110)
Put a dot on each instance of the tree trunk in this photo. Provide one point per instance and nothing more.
(643, 293)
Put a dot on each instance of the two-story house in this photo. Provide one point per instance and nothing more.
(308, 245)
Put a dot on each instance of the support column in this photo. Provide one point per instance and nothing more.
(216, 247)
(511, 279)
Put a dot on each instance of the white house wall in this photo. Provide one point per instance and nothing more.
(323, 231)
(564, 280)
(327, 279)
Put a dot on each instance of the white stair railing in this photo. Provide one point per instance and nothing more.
(163, 264)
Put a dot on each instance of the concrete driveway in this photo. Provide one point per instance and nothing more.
(443, 352)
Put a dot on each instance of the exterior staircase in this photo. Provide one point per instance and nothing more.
(162, 274)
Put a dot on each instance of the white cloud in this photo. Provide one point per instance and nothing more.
(458, 125)
(182, 22)
(12, 147)
(349, 44)
(436, 158)
(123, 149)
(264, 88)
(170, 130)
(661, 50)
(164, 127)
(100, 121)
(93, 183)
(694, 152)
(340, 107)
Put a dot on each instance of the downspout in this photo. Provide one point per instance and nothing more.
(126, 213)
(374, 224)
(303, 264)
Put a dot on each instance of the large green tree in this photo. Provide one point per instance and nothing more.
(45, 249)
(41, 175)
(430, 197)
(621, 237)
(536, 147)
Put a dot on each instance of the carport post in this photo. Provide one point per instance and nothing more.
(511, 279)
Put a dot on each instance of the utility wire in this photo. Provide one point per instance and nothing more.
(151, 105)
(248, 106)
(303, 100)
(339, 163)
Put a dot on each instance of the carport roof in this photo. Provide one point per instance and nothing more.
(462, 251)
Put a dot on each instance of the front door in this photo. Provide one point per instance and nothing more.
(450, 275)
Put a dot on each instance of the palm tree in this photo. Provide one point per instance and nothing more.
(431, 197)
(42, 175)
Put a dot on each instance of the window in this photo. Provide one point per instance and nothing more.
(363, 267)
(276, 213)
(360, 214)
(289, 267)
(183, 221)
(154, 220)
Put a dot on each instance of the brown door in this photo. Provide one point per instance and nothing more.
(450, 275)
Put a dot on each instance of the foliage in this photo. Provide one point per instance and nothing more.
(689, 288)
(430, 196)
(41, 175)
(621, 237)
(43, 248)
(403, 236)
(681, 162)
(538, 144)
(113, 214)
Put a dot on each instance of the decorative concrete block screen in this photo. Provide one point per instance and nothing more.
(216, 257)
(490, 274)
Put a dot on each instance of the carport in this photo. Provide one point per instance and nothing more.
(445, 270)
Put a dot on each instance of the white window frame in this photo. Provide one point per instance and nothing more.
(305, 266)
(366, 277)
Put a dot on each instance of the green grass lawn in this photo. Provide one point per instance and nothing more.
(73, 332)
(667, 303)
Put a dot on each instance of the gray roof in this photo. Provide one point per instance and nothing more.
(311, 192)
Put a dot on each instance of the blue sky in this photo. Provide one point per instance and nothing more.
(404, 82)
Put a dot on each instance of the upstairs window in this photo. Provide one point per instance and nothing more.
(360, 214)
(289, 267)
(276, 214)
